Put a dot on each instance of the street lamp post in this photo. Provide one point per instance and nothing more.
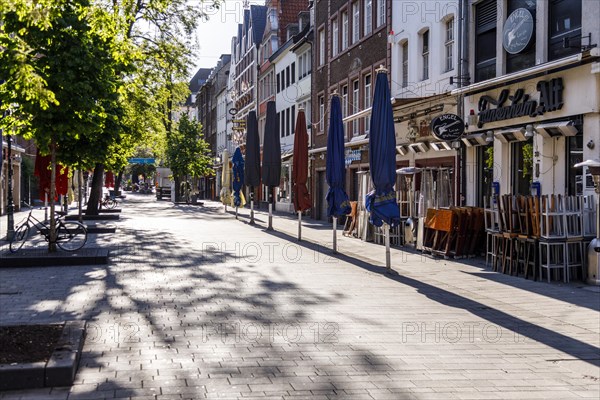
(593, 252)
(10, 207)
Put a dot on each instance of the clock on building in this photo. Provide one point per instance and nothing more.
(518, 31)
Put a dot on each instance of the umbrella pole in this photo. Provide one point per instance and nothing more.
(299, 225)
(388, 262)
(252, 206)
(270, 226)
(236, 210)
(335, 234)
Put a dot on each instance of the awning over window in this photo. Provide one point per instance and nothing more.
(559, 128)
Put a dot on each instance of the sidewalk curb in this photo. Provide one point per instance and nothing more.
(59, 370)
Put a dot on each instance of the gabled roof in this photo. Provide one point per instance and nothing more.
(199, 78)
(259, 20)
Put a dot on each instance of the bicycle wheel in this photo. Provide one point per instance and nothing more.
(71, 235)
(19, 238)
(111, 203)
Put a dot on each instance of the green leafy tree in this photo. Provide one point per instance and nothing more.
(159, 32)
(188, 154)
(75, 115)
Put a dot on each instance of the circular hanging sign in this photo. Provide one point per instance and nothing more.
(447, 127)
(233, 111)
(518, 31)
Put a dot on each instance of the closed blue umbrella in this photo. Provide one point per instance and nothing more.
(337, 199)
(381, 201)
(238, 178)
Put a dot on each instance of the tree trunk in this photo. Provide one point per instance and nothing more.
(79, 193)
(96, 191)
(52, 241)
(118, 181)
(177, 189)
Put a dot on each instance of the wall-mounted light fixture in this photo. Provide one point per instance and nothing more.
(322, 156)
(489, 136)
(456, 144)
(528, 131)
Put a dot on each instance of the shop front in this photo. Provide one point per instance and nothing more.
(526, 136)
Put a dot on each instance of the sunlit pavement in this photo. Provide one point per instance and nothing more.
(196, 304)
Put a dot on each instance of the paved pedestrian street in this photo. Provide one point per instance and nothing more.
(196, 304)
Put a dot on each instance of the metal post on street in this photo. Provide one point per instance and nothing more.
(270, 225)
(10, 207)
(252, 206)
(334, 235)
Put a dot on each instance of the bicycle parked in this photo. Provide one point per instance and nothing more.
(70, 235)
(108, 202)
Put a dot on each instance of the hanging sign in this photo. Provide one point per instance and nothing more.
(352, 155)
(518, 31)
(447, 127)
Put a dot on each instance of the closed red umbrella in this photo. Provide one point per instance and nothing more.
(109, 180)
(302, 200)
(43, 173)
(62, 180)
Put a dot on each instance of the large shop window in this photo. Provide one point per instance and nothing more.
(525, 58)
(485, 40)
(575, 181)
(522, 166)
(485, 162)
(564, 23)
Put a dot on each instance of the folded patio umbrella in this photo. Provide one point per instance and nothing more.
(225, 194)
(109, 179)
(337, 199)
(238, 178)
(381, 201)
(302, 200)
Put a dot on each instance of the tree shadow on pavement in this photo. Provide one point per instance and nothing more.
(576, 348)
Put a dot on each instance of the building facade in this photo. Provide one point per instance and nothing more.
(534, 101)
(350, 43)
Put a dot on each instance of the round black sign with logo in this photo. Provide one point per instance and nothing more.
(518, 30)
(447, 127)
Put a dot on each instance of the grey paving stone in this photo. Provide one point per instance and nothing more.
(171, 320)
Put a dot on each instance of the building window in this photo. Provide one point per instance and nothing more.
(355, 22)
(287, 122)
(368, 16)
(355, 105)
(345, 103)
(293, 71)
(287, 76)
(425, 54)
(449, 45)
(322, 47)
(281, 116)
(293, 118)
(308, 59)
(380, 12)
(564, 23)
(522, 167)
(368, 98)
(405, 64)
(334, 38)
(485, 40)
(344, 30)
(321, 113)
(526, 57)
(576, 184)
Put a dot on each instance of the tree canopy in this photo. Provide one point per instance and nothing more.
(188, 154)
